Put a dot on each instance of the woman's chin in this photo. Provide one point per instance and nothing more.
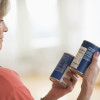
(0, 47)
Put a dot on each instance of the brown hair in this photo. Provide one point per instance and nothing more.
(4, 6)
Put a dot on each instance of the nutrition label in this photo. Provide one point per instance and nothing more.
(88, 54)
(78, 57)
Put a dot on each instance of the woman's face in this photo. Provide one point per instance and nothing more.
(3, 28)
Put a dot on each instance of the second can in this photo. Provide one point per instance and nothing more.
(61, 69)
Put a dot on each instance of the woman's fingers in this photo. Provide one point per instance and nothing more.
(69, 84)
(73, 77)
(93, 66)
(95, 59)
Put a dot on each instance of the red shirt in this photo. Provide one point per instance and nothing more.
(11, 87)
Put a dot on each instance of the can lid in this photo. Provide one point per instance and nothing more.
(68, 54)
(89, 44)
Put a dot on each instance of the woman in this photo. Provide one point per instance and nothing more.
(11, 87)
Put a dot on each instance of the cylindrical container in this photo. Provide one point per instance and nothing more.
(61, 69)
(84, 57)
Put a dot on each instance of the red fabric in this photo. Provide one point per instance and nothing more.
(11, 87)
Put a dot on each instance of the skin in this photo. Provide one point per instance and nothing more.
(57, 92)
(89, 79)
(3, 28)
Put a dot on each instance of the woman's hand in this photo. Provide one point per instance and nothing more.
(56, 92)
(89, 79)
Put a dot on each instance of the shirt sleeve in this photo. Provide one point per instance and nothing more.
(11, 86)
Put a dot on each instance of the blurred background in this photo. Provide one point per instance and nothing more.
(40, 31)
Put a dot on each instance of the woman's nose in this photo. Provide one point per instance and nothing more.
(5, 28)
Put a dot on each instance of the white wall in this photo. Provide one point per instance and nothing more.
(41, 31)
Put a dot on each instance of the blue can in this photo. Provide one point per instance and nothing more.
(84, 57)
(61, 69)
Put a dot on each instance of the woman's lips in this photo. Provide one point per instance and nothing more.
(1, 39)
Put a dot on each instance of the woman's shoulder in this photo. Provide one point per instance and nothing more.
(9, 76)
(4, 70)
(7, 79)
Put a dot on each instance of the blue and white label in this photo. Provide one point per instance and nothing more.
(61, 69)
(75, 63)
(88, 54)
(66, 76)
(84, 57)
(63, 63)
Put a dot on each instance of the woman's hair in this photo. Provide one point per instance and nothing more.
(4, 6)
